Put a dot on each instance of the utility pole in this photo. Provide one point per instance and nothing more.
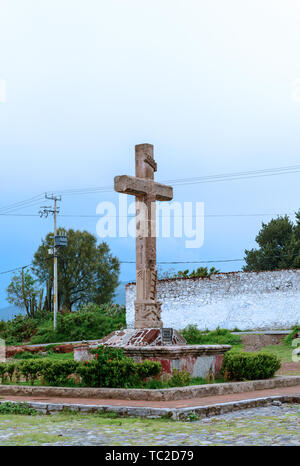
(45, 211)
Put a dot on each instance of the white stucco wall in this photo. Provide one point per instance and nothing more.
(247, 300)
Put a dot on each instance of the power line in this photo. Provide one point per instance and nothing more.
(238, 175)
(233, 176)
(22, 204)
(203, 179)
(23, 266)
(14, 270)
(210, 261)
(133, 215)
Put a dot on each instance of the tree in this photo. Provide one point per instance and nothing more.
(279, 246)
(87, 272)
(24, 293)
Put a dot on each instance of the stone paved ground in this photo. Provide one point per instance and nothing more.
(273, 425)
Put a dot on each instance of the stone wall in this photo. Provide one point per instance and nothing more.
(246, 300)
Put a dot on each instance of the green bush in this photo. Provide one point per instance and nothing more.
(30, 369)
(220, 336)
(7, 371)
(27, 355)
(89, 323)
(291, 336)
(111, 368)
(7, 407)
(179, 379)
(57, 373)
(17, 330)
(249, 366)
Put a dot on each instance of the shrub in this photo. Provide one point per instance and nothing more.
(179, 378)
(7, 371)
(57, 373)
(220, 336)
(111, 368)
(27, 355)
(249, 366)
(202, 272)
(291, 336)
(7, 407)
(92, 322)
(17, 330)
(51, 372)
(89, 323)
(31, 369)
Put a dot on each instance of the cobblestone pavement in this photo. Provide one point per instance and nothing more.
(273, 425)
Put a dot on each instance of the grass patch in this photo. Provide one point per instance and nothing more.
(282, 351)
(50, 355)
(220, 336)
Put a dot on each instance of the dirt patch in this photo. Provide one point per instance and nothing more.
(11, 351)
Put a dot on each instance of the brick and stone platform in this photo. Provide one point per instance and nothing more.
(143, 337)
(198, 360)
(204, 400)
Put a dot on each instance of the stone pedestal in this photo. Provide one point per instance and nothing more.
(197, 360)
(149, 339)
(143, 337)
(140, 344)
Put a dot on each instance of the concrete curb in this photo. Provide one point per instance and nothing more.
(167, 394)
(177, 414)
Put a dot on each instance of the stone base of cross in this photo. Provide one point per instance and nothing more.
(146, 192)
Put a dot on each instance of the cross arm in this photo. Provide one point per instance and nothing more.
(142, 186)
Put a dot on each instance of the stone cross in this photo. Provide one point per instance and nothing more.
(146, 192)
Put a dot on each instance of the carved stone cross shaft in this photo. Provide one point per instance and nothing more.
(146, 192)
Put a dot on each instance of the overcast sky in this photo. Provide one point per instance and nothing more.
(213, 85)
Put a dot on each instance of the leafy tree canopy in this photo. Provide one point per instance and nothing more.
(279, 246)
(87, 271)
(24, 293)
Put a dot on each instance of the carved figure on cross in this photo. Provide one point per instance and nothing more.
(146, 192)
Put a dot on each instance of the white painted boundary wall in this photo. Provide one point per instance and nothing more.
(247, 300)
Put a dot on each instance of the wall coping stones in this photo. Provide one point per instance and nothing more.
(166, 394)
(175, 351)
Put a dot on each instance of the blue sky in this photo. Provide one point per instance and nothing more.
(213, 85)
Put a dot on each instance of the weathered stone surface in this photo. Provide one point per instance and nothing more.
(198, 360)
(264, 424)
(11, 351)
(178, 414)
(246, 300)
(140, 337)
(168, 394)
(147, 192)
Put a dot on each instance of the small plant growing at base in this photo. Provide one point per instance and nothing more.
(7, 407)
(179, 378)
(192, 417)
(295, 333)
(210, 377)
